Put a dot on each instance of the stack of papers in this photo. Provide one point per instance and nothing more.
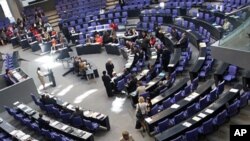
(154, 57)
(202, 44)
(70, 106)
(175, 106)
(233, 90)
(65, 103)
(25, 137)
(144, 72)
(151, 83)
(187, 124)
(21, 106)
(188, 98)
(170, 65)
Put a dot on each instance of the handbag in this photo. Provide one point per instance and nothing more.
(139, 113)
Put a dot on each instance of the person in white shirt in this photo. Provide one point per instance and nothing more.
(40, 76)
(142, 106)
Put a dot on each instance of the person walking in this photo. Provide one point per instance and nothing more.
(141, 112)
(40, 76)
(109, 67)
(107, 83)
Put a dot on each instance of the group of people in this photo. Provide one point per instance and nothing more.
(81, 66)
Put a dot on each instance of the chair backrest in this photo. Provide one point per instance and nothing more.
(233, 108)
(191, 110)
(162, 126)
(195, 83)
(154, 110)
(232, 70)
(208, 126)
(221, 117)
(121, 85)
(212, 95)
(167, 103)
(192, 135)
(220, 87)
(244, 99)
(187, 89)
(179, 117)
(77, 121)
(203, 102)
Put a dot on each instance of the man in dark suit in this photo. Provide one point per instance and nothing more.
(107, 83)
(45, 99)
(183, 42)
(42, 122)
(166, 55)
(175, 34)
(109, 67)
(132, 85)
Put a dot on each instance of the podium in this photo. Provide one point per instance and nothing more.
(51, 77)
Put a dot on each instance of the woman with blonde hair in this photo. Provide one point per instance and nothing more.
(141, 112)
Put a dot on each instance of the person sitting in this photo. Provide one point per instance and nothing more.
(88, 40)
(106, 37)
(53, 42)
(131, 87)
(82, 68)
(157, 90)
(42, 123)
(114, 40)
(53, 33)
(77, 113)
(46, 36)
(226, 26)
(9, 79)
(98, 39)
(140, 89)
(45, 99)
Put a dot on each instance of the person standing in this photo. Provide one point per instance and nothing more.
(126, 136)
(141, 112)
(121, 3)
(110, 67)
(166, 55)
(40, 76)
(107, 83)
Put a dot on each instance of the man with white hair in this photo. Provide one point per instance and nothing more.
(110, 67)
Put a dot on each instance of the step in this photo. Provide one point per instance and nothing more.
(54, 20)
(54, 24)
(53, 17)
(112, 3)
(51, 13)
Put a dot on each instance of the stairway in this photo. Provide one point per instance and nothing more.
(53, 19)
(110, 4)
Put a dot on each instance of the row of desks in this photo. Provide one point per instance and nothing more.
(15, 133)
(67, 130)
(195, 121)
(179, 106)
(101, 119)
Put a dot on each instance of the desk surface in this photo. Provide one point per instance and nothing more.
(65, 129)
(210, 111)
(201, 90)
(171, 91)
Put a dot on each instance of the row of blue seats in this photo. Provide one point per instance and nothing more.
(190, 110)
(208, 126)
(65, 116)
(26, 121)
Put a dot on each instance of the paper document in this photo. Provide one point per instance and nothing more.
(175, 106)
(233, 90)
(202, 115)
(187, 124)
(195, 118)
(209, 111)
